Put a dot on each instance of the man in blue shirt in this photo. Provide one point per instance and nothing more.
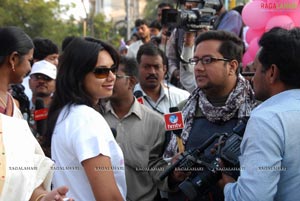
(270, 148)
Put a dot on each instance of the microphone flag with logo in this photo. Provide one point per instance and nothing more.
(139, 96)
(174, 120)
(40, 112)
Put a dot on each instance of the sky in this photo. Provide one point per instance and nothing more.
(78, 11)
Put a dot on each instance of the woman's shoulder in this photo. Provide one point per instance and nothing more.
(82, 113)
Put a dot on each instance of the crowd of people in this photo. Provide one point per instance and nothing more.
(88, 121)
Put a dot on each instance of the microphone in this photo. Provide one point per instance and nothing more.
(173, 109)
(40, 116)
(139, 96)
(174, 122)
(177, 132)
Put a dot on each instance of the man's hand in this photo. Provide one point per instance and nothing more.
(57, 194)
(189, 38)
(225, 180)
(177, 176)
(225, 177)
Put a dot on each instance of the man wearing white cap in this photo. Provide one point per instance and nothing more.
(42, 84)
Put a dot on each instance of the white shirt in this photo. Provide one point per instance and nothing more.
(134, 48)
(187, 76)
(169, 97)
(27, 89)
(79, 135)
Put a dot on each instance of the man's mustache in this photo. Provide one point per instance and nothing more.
(41, 85)
(151, 77)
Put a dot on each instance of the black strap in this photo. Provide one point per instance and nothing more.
(154, 108)
(219, 19)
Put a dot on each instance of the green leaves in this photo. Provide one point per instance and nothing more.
(47, 18)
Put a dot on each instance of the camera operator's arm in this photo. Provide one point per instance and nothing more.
(187, 77)
(171, 54)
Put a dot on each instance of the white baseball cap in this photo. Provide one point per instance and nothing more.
(44, 67)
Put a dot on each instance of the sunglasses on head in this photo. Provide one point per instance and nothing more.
(102, 72)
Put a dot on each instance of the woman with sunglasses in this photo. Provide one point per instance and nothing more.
(87, 157)
(25, 172)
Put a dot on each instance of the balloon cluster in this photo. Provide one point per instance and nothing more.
(262, 15)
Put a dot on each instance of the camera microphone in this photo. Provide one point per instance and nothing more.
(40, 116)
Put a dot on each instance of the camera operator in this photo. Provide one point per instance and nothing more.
(212, 13)
(160, 7)
(164, 32)
(221, 99)
(174, 46)
(270, 148)
(186, 70)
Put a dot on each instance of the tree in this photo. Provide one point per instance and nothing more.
(43, 18)
(35, 17)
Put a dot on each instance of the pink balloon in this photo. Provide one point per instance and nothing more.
(283, 21)
(253, 47)
(253, 33)
(246, 59)
(295, 15)
(255, 15)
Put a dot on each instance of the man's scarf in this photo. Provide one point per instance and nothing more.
(240, 101)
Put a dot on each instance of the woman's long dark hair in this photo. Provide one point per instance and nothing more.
(14, 39)
(78, 59)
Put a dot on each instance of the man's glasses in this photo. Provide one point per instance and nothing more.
(122, 76)
(102, 72)
(38, 76)
(206, 60)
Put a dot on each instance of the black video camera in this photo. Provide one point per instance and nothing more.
(206, 172)
(194, 19)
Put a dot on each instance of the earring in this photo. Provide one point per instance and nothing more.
(13, 68)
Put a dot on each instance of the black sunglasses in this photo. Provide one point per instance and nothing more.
(102, 72)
